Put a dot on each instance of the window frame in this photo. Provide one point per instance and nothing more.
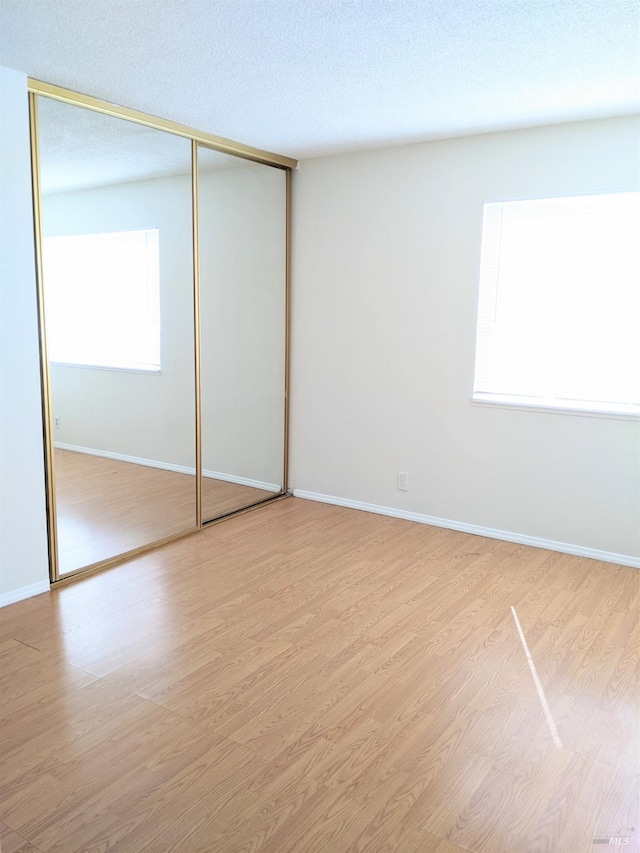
(153, 276)
(488, 299)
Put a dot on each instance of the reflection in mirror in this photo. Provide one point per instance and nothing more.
(118, 295)
(242, 239)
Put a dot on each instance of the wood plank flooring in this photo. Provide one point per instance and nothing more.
(311, 678)
(107, 507)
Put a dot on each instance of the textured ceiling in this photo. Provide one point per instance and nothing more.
(309, 77)
(81, 148)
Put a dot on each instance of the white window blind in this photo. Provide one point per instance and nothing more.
(559, 304)
(102, 299)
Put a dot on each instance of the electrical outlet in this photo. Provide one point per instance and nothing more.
(56, 421)
(403, 481)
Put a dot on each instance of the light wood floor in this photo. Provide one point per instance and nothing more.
(310, 678)
(107, 507)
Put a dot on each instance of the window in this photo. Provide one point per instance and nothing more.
(559, 308)
(102, 299)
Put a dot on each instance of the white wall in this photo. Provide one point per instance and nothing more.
(242, 267)
(135, 414)
(385, 280)
(23, 540)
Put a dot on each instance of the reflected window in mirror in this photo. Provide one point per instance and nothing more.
(103, 299)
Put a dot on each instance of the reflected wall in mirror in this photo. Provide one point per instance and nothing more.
(118, 292)
(242, 245)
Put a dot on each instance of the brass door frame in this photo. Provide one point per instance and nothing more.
(219, 143)
(226, 146)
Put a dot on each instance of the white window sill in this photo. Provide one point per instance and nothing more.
(154, 371)
(523, 404)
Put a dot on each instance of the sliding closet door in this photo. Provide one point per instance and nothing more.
(116, 212)
(242, 246)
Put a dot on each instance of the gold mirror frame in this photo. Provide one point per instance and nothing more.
(226, 146)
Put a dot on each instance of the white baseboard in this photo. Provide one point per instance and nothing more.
(463, 527)
(122, 457)
(169, 466)
(24, 592)
(242, 481)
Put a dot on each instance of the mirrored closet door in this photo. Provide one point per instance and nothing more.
(162, 256)
(242, 251)
(117, 281)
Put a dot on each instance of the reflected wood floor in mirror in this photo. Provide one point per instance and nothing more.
(312, 678)
(106, 507)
